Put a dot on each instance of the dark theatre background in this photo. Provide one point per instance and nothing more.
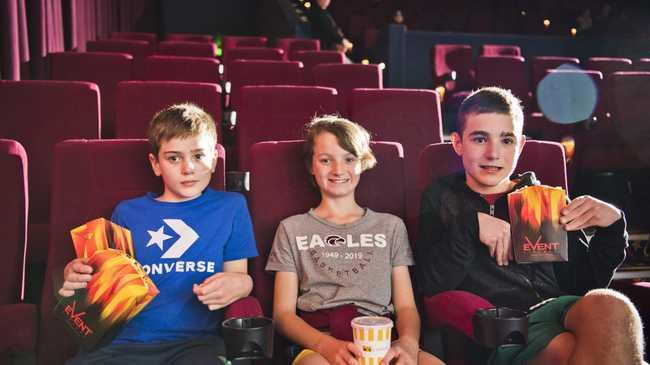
(92, 72)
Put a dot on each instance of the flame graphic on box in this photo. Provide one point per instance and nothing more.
(536, 205)
(537, 234)
(119, 287)
(100, 234)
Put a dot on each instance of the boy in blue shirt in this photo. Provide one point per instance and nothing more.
(192, 241)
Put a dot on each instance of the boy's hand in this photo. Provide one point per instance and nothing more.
(495, 234)
(587, 211)
(339, 352)
(402, 352)
(223, 288)
(76, 275)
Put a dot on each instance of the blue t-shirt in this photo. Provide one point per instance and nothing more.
(180, 244)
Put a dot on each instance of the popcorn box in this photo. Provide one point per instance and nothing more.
(372, 335)
(537, 235)
(119, 288)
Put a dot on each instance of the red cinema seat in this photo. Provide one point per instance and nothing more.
(346, 77)
(275, 113)
(281, 187)
(500, 50)
(89, 179)
(189, 37)
(138, 49)
(252, 53)
(629, 99)
(152, 38)
(310, 59)
(508, 72)
(39, 114)
(104, 69)
(541, 64)
(261, 72)
(230, 42)
(178, 68)
(453, 58)
(138, 101)
(188, 49)
(609, 65)
(18, 326)
(291, 45)
(410, 117)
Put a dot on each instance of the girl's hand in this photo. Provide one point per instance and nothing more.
(402, 352)
(339, 352)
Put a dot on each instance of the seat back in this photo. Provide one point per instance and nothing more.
(261, 72)
(189, 37)
(458, 58)
(152, 38)
(628, 94)
(346, 77)
(138, 49)
(230, 42)
(39, 114)
(290, 45)
(542, 63)
(252, 53)
(138, 101)
(544, 158)
(102, 68)
(13, 214)
(179, 68)
(276, 113)
(500, 50)
(410, 117)
(508, 72)
(609, 65)
(281, 187)
(89, 179)
(189, 49)
(310, 59)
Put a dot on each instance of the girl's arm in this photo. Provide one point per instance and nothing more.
(406, 348)
(296, 329)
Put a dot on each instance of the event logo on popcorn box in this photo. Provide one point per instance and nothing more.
(119, 288)
(537, 235)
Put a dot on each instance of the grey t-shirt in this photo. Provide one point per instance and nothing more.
(340, 264)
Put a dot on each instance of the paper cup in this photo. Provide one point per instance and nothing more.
(372, 335)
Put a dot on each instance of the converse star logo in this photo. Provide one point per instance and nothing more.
(186, 238)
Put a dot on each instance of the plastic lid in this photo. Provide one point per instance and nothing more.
(372, 321)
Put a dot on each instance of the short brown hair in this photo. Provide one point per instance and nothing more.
(491, 100)
(179, 121)
(350, 136)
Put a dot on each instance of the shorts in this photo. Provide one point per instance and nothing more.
(202, 350)
(545, 322)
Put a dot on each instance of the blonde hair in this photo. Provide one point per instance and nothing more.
(179, 121)
(351, 137)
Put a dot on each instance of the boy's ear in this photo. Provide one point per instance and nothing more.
(521, 144)
(215, 160)
(457, 143)
(155, 166)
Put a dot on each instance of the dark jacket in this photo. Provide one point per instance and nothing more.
(450, 256)
(324, 27)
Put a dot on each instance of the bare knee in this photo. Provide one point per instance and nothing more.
(604, 306)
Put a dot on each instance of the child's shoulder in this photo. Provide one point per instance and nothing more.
(388, 219)
(295, 220)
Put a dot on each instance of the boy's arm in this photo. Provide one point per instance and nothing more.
(592, 265)
(407, 319)
(76, 275)
(223, 288)
(444, 249)
(296, 329)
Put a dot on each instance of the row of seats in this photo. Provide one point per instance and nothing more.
(42, 115)
(91, 176)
